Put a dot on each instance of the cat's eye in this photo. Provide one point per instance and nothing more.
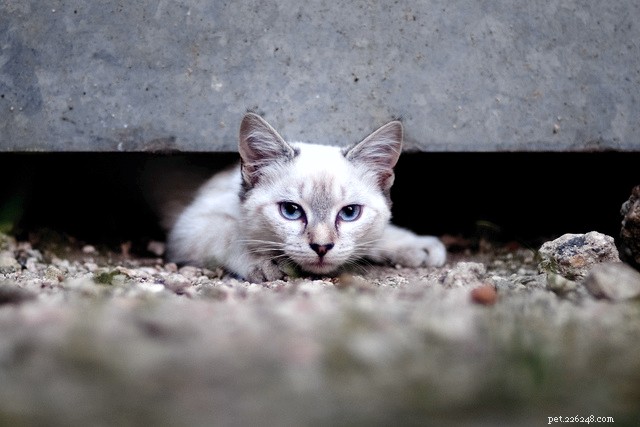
(291, 211)
(350, 213)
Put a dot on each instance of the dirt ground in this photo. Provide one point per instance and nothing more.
(89, 336)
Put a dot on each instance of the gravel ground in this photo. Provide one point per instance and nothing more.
(93, 337)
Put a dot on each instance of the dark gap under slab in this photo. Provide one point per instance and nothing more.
(525, 197)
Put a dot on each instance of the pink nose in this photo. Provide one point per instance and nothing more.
(321, 250)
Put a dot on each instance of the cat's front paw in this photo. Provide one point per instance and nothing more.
(264, 271)
(420, 251)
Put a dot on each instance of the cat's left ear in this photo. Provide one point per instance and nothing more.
(380, 152)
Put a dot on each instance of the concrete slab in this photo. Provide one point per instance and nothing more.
(464, 76)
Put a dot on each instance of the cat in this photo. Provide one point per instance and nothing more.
(294, 208)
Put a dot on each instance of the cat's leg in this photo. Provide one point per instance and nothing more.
(400, 246)
(263, 271)
(212, 239)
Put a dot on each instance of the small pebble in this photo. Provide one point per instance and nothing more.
(156, 248)
(151, 287)
(171, 267)
(485, 295)
(8, 264)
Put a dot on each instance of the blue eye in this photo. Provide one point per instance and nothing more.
(291, 211)
(350, 213)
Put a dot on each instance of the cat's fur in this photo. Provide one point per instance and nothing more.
(298, 207)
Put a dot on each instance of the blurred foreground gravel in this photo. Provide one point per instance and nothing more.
(92, 338)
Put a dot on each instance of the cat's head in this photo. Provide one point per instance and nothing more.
(316, 206)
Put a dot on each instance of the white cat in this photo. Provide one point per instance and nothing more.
(298, 208)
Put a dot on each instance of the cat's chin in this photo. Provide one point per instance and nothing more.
(320, 267)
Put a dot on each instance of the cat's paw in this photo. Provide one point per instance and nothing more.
(265, 271)
(420, 251)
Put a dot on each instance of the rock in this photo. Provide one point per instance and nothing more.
(53, 274)
(8, 263)
(156, 248)
(464, 274)
(485, 295)
(89, 249)
(7, 243)
(559, 284)
(630, 232)
(151, 287)
(615, 281)
(573, 255)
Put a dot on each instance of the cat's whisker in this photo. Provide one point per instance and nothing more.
(368, 244)
(287, 262)
(263, 250)
(362, 250)
(359, 265)
(262, 242)
(265, 246)
(282, 258)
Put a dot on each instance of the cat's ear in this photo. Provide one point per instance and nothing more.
(379, 152)
(260, 145)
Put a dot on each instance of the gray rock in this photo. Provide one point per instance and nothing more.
(464, 274)
(615, 281)
(573, 255)
(8, 263)
(560, 284)
(630, 232)
(7, 243)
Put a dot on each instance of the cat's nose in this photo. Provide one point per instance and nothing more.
(321, 250)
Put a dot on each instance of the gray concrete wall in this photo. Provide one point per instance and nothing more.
(464, 76)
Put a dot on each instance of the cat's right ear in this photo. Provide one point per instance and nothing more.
(260, 145)
(379, 152)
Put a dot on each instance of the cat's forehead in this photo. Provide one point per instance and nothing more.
(322, 174)
(317, 148)
(314, 156)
